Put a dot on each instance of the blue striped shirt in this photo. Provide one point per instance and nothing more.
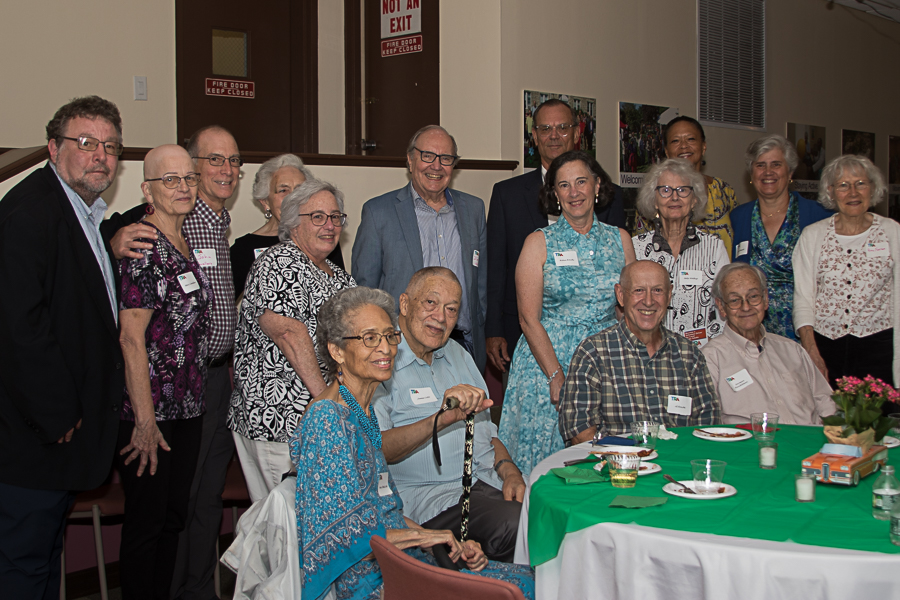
(441, 247)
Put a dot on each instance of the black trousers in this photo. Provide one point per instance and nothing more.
(155, 509)
(493, 521)
(851, 356)
(31, 538)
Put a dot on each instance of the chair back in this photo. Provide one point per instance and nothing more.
(406, 578)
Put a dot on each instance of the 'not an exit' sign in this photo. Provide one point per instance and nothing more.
(400, 21)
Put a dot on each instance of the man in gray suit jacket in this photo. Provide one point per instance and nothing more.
(425, 224)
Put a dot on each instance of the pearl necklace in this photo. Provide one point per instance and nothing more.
(369, 424)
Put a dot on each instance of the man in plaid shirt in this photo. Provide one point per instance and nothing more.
(637, 370)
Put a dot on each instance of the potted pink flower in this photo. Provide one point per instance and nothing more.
(858, 420)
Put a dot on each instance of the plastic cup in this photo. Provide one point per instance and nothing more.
(895, 430)
(764, 426)
(708, 475)
(645, 434)
(623, 469)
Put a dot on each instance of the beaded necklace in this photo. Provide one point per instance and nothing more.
(369, 424)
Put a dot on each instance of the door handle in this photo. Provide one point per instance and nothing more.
(369, 145)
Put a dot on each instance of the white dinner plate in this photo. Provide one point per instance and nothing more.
(647, 468)
(744, 434)
(890, 442)
(601, 450)
(674, 490)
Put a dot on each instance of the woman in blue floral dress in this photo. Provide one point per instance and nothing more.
(565, 279)
(345, 493)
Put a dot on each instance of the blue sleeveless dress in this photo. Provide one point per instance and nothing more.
(578, 301)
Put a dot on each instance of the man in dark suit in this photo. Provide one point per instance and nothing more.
(61, 375)
(514, 214)
(426, 224)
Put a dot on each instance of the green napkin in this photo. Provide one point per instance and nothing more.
(577, 474)
(636, 502)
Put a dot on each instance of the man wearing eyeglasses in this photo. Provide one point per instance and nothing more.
(429, 369)
(756, 370)
(427, 224)
(61, 367)
(514, 214)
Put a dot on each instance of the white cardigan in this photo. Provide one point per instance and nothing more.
(805, 259)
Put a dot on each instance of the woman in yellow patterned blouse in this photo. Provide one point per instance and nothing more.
(685, 139)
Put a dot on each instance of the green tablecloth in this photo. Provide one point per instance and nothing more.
(764, 507)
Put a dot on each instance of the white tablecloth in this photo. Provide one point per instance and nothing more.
(630, 562)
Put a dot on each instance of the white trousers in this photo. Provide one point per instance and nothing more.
(263, 463)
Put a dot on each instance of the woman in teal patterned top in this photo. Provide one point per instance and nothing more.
(767, 229)
(565, 282)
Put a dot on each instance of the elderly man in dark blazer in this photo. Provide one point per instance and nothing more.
(61, 375)
(514, 214)
(426, 224)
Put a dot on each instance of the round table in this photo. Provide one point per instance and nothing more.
(759, 543)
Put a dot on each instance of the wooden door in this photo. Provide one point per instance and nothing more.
(402, 92)
(250, 67)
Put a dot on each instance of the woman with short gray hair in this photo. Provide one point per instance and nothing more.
(847, 271)
(767, 229)
(276, 178)
(673, 195)
(277, 370)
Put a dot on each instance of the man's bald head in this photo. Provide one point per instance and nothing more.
(422, 275)
(158, 161)
(643, 267)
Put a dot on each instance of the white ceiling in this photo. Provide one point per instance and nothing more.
(888, 9)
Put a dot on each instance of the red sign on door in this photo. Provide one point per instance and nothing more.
(401, 45)
(231, 88)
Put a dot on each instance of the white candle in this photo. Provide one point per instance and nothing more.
(806, 489)
(767, 457)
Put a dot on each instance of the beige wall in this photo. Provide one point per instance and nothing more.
(55, 50)
(491, 50)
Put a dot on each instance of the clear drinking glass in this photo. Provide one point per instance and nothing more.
(623, 469)
(764, 426)
(645, 434)
(708, 475)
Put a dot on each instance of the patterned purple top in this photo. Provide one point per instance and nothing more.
(177, 338)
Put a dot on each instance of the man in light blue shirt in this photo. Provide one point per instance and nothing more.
(429, 368)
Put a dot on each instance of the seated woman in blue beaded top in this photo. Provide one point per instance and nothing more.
(345, 493)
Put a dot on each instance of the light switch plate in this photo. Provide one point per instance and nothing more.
(140, 87)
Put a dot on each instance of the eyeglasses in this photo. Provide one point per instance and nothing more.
(373, 340)
(217, 161)
(173, 181)
(844, 186)
(563, 130)
(318, 218)
(754, 299)
(89, 144)
(666, 191)
(448, 160)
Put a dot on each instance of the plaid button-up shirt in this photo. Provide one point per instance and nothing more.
(205, 230)
(613, 381)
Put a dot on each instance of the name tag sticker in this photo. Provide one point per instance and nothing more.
(188, 282)
(739, 380)
(476, 256)
(679, 405)
(878, 250)
(742, 249)
(206, 257)
(422, 395)
(384, 488)
(689, 278)
(569, 258)
(698, 336)
(257, 252)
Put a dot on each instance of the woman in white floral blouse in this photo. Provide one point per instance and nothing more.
(847, 283)
(276, 369)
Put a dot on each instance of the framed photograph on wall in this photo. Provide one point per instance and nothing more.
(809, 141)
(858, 142)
